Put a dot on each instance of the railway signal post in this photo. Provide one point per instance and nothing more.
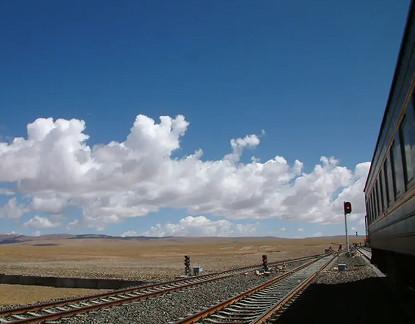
(265, 262)
(347, 210)
(187, 265)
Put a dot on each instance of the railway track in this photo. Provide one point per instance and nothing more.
(367, 253)
(66, 308)
(261, 304)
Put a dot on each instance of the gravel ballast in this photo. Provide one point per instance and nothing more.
(177, 304)
(147, 269)
(356, 295)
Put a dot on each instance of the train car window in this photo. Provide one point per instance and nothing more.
(377, 204)
(391, 192)
(370, 210)
(385, 184)
(380, 189)
(397, 168)
(408, 148)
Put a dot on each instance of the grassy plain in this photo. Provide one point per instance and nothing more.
(138, 259)
(21, 295)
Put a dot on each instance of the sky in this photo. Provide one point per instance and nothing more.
(191, 118)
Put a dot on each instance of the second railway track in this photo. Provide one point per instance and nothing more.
(260, 304)
(66, 308)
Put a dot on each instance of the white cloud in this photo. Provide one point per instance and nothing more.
(55, 168)
(129, 233)
(48, 203)
(201, 226)
(36, 233)
(282, 229)
(12, 209)
(353, 228)
(6, 192)
(318, 234)
(42, 222)
(11, 233)
(300, 229)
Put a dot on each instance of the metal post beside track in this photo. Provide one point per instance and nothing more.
(345, 224)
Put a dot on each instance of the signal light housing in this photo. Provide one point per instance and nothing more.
(264, 262)
(187, 260)
(347, 207)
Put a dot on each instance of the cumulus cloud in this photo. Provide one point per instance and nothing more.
(201, 226)
(43, 222)
(129, 233)
(12, 209)
(55, 169)
(36, 233)
(300, 229)
(6, 192)
(48, 203)
(282, 229)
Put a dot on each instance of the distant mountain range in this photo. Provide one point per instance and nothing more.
(11, 238)
(6, 238)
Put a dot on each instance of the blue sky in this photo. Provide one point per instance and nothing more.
(314, 75)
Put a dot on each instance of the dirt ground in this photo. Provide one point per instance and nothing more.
(159, 259)
(19, 295)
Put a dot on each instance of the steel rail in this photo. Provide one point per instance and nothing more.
(211, 310)
(134, 289)
(55, 310)
(366, 253)
(268, 314)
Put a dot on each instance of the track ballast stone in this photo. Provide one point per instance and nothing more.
(170, 307)
(357, 294)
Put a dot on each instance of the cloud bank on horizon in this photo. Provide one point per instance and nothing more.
(54, 169)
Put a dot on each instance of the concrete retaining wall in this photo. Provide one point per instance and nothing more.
(63, 282)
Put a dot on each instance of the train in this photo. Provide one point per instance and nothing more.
(390, 186)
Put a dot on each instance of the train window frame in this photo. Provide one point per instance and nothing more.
(407, 130)
(391, 189)
(377, 200)
(380, 189)
(397, 174)
(372, 213)
(385, 180)
(370, 208)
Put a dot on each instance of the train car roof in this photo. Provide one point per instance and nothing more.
(392, 89)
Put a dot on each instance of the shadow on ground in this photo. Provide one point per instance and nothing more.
(365, 301)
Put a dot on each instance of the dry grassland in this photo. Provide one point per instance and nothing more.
(155, 259)
(19, 295)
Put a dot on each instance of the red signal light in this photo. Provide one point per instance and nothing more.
(347, 207)
(186, 260)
